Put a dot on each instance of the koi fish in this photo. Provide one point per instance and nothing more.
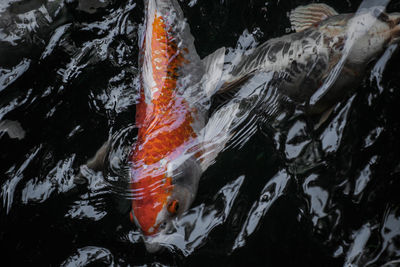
(171, 114)
(322, 51)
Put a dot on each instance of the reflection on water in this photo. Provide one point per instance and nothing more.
(89, 255)
(271, 191)
(281, 192)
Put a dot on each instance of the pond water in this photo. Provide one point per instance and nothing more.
(282, 194)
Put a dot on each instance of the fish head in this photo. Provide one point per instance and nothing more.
(375, 31)
(155, 205)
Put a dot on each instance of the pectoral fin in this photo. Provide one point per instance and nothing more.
(217, 133)
(213, 64)
(96, 163)
(233, 83)
(324, 117)
(304, 17)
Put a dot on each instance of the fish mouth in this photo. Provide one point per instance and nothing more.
(153, 247)
(155, 243)
(395, 35)
(394, 19)
(161, 241)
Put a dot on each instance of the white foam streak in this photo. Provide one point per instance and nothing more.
(380, 66)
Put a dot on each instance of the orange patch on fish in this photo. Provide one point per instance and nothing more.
(164, 129)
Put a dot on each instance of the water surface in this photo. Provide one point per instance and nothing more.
(283, 194)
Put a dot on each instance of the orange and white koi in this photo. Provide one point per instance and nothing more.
(171, 113)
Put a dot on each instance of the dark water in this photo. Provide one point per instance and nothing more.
(289, 195)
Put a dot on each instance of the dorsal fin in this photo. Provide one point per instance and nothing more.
(304, 17)
(213, 65)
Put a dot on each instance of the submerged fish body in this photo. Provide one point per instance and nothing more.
(302, 61)
(170, 115)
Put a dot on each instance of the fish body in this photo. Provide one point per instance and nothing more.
(302, 61)
(170, 115)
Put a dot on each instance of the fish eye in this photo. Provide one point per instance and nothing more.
(173, 207)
